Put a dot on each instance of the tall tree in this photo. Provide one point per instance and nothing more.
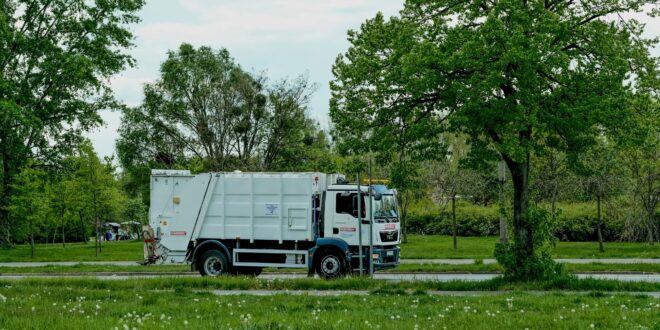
(101, 199)
(56, 58)
(643, 162)
(515, 76)
(601, 176)
(205, 110)
(29, 203)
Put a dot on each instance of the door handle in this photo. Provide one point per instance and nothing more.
(289, 221)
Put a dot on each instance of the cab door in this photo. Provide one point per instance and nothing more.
(342, 211)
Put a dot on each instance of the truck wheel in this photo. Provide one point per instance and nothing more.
(213, 263)
(330, 264)
(248, 271)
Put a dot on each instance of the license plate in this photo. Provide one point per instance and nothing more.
(390, 253)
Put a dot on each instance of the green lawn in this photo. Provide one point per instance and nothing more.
(111, 251)
(434, 268)
(440, 247)
(89, 304)
(350, 283)
(418, 247)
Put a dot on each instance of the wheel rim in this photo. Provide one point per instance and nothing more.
(213, 266)
(330, 265)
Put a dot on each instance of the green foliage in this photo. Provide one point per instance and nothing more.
(575, 222)
(28, 205)
(516, 77)
(56, 58)
(206, 113)
(63, 204)
(515, 257)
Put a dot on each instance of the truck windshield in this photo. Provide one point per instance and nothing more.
(385, 207)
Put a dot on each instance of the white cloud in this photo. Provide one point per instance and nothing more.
(260, 21)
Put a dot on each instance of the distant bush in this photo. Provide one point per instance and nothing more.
(574, 222)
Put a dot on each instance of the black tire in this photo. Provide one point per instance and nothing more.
(330, 264)
(213, 263)
(247, 271)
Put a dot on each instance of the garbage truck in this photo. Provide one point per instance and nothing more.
(239, 223)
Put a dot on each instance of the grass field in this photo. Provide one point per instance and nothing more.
(111, 251)
(567, 283)
(90, 304)
(429, 247)
(425, 268)
(418, 247)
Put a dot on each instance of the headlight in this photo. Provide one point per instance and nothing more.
(375, 256)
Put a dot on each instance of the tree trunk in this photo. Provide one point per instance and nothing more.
(522, 230)
(96, 239)
(453, 221)
(5, 232)
(504, 231)
(600, 225)
(32, 238)
(63, 232)
(82, 227)
(651, 227)
(98, 224)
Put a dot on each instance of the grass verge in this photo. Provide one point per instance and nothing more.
(404, 268)
(440, 247)
(418, 247)
(178, 304)
(569, 283)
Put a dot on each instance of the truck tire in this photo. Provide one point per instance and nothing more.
(330, 264)
(213, 263)
(247, 271)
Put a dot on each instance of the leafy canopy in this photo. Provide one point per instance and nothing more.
(514, 76)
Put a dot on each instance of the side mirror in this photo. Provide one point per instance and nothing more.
(378, 196)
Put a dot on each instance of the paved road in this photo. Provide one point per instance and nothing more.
(333, 293)
(565, 261)
(403, 261)
(67, 263)
(381, 276)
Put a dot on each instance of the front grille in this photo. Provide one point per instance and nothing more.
(389, 236)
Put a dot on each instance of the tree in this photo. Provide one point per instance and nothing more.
(29, 203)
(136, 214)
(56, 58)
(643, 162)
(601, 177)
(447, 179)
(208, 113)
(405, 176)
(100, 197)
(516, 77)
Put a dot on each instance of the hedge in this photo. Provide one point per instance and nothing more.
(574, 222)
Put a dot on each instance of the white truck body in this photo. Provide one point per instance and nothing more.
(262, 219)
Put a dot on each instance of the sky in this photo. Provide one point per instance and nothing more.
(285, 38)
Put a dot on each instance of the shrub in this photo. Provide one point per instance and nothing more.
(574, 222)
(520, 262)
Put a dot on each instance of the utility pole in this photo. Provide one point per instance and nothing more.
(501, 176)
(359, 207)
(371, 224)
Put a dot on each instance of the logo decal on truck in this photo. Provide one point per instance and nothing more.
(347, 229)
(390, 226)
(270, 209)
(177, 233)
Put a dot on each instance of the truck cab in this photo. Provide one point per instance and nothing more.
(341, 220)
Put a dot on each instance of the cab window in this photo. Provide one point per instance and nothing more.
(347, 204)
